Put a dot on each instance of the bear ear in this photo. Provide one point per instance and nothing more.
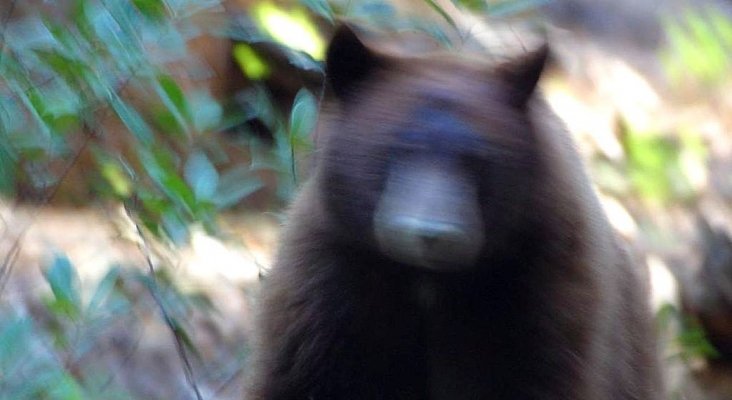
(348, 61)
(522, 75)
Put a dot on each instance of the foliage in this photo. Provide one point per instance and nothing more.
(44, 357)
(93, 85)
(66, 81)
(700, 44)
(690, 340)
(659, 168)
(71, 346)
(63, 77)
(658, 165)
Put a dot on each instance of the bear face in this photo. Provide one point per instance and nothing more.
(423, 157)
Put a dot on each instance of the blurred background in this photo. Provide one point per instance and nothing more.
(148, 149)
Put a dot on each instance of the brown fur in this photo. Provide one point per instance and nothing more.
(554, 310)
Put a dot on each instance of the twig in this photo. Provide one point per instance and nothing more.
(9, 261)
(6, 267)
(67, 170)
(180, 347)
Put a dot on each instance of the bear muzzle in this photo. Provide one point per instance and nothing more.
(429, 216)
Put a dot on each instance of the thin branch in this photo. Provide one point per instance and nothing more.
(6, 268)
(8, 262)
(179, 343)
(67, 170)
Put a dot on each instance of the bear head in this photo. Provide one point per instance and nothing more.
(430, 161)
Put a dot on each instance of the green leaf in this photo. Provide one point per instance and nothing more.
(694, 342)
(161, 167)
(12, 116)
(304, 61)
(153, 9)
(119, 37)
(235, 185)
(104, 288)
(698, 47)
(175, 228)
(33, 100)
(58, 106)
(207, 112)
(201, 175)
(80, 18)
(441, 11)
(65, 67)
(132, 119)
(64, 282)
(304, 114)
(179, 192)
(174, 98)
(117, 179)
(655, 165)
(472, 5)
(167, 121)
(709, 56)
(250, 62)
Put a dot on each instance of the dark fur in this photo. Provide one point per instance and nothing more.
(553, 311)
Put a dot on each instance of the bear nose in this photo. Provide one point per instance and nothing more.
(431, 234)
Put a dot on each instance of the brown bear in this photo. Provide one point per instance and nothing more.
(448, 246)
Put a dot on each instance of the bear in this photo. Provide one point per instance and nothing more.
(448, 245)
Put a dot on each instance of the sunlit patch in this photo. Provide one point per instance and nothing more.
(250, 62)
(664, 287)
(619, 217)
(293, 28)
